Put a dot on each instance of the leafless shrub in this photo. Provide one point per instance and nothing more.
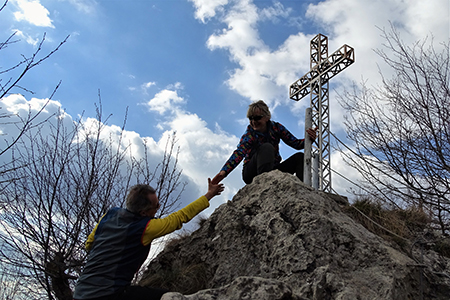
(11, 76)
(65, 176)
(401, 129)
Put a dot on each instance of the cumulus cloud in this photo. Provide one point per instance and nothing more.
(358, 24)
(241, 35)
(350, 22)
(16, 104)
(266, 72)
(274, 12)
(33, 12)
(262, 73)
(202, 151)
(343, 176)
(206, 9)
(165, 101)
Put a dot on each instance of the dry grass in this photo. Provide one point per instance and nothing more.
(176, 239)
(397, 225)
(201, 219)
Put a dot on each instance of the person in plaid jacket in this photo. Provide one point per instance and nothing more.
(259, 147)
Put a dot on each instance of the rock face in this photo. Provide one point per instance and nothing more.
(279, 240)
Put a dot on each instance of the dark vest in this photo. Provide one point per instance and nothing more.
(116, 255)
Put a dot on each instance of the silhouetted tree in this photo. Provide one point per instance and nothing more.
(70, 174)
(11, 74)
(401, 128)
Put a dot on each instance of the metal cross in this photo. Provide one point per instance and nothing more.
(315, 83)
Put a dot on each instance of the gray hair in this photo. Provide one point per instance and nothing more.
(137, 198)
(258, 105)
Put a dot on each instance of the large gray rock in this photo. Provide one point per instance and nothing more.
(241, 288)
(279, 239)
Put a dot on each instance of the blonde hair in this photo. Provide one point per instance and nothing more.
(258, 105)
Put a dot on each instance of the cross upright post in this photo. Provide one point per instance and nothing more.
(316, 83)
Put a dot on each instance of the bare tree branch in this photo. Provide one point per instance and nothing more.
(401, 128)
(65, 176)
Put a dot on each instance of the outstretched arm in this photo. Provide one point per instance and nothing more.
(219, 177)
(159, 227)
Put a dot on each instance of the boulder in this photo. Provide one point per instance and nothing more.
(279, 239)
(241, 288)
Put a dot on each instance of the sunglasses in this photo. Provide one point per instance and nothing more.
(255, 118)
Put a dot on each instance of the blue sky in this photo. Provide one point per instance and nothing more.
(194, 66)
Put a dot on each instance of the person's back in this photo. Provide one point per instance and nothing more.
(116, 254)
(120, 243)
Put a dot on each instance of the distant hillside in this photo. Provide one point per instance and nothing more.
(280, 240)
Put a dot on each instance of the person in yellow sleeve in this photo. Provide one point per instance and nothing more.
(120, 243)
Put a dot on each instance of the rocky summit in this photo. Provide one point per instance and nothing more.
(278, 239)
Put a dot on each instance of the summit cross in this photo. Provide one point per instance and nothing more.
(316, 83)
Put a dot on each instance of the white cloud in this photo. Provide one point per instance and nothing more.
(273, 12)
(202, 150)
(358, 24)
(435, 14)
(262, 74)
(27, 38)
(206, 9)
(343, 176)
(176, 85)
(144, 87)
(148, 84)
(241, 37)
(166, 100)
(33, 12)
(86, 6)
(17, 104)
(266, 74)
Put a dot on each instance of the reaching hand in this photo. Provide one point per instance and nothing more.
(213, 189)
(219, 177)
(312, 133)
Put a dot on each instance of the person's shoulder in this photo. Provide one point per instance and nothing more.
(115, 209)
(276, 125)
(249, 131)
(112, 211)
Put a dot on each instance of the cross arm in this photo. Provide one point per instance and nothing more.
(327, 69)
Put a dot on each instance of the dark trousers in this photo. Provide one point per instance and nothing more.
(136, 293)
(263, 161)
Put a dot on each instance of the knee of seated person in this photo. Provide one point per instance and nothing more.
(266, 147)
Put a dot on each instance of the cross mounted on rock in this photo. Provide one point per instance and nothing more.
(316, 83)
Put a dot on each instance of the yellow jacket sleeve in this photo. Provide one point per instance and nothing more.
(90, 239)
(159, 227)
